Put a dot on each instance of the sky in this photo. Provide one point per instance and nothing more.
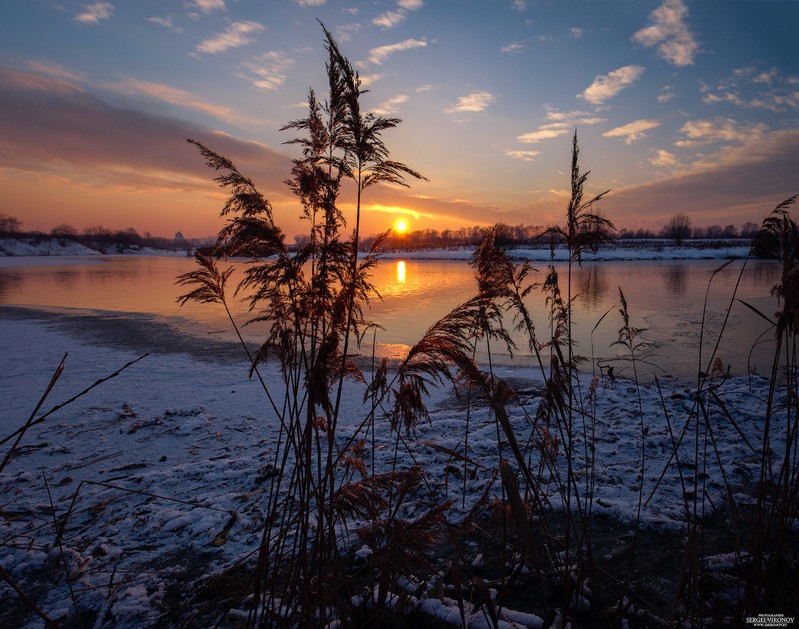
(679, 106)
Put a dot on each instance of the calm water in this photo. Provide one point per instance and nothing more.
(664, 296)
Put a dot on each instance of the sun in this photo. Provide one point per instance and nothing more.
(400, 226)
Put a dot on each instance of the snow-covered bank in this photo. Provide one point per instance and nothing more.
(175, 453)
(609, 254)
(45, 246)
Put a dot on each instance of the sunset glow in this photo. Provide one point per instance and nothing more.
(680, 105)
(400, 227)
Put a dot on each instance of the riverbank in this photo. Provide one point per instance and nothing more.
(160, 475)
(622, 251)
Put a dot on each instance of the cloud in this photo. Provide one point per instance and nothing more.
(738, 184)
(542, 134)
(174, 96)
(378, 55)
(665, 97)
(559, 123)
(527, 156)
(269, 69)
(576, 33)
(751, 88)
(410, 5)
(633, 131)
(513, 48)
(472, 102)
(370, 79)
(670, 33)
(726, 130)
(95, 12)
(165, 22)
(389, 19)
(206, 6)
(235, 36)
(665, 159)
(519, 5)
(345, 32)
(52, 127)
(311, 3)
(56, 71)
(391, 106)
(607, 86)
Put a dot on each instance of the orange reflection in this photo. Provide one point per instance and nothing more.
(401, 271)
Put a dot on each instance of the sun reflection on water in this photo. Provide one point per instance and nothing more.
(401, 271)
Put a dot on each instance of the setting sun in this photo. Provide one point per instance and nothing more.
(401, 227)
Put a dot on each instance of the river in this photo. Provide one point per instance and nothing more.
(666, 297)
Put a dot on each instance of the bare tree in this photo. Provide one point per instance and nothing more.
(64, 232)
(9, 224)
(678, 228)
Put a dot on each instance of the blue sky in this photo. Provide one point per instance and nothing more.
(680, 106)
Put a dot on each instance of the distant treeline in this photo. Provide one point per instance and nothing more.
(100, 238)
(677, 230)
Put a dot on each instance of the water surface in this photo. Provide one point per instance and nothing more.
(667, 297)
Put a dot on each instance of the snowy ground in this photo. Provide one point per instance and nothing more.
(606, 254)
(45, 246)
(166, 465)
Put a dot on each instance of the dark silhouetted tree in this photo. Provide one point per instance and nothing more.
(9, 224)
(678, 228)
(64, 232)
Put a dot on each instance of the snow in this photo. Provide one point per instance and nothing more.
(44, 246)
(162, 458)
(606, 254)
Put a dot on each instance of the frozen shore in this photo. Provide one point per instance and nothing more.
(166, 464)
(700, 250)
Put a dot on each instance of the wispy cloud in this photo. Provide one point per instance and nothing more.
(370, 79)
(173, 96)
(514, 48)
(56, 71)
(632, 131)
(389, 19)
(752, 88)
(95, 12)
(576, 33)
(725, 130)
(666, 96)
(380, 54)
(346, 32)
(739, 183)
(391, 106)
(236, 35)
(534, 137)
(472, 102)
(206, 6)
(559, 123)
(669, 32)
(269, 69)
(519, 5)
(527, 156)
(607, 86)
(166, 23)
(48, 126)
(311, 3)
(665, 159)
